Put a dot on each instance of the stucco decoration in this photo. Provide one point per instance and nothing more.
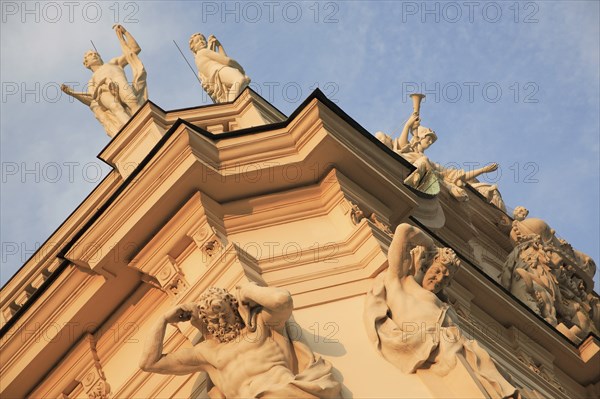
(94, 382)
(409, 320)
(357, 214)
(247, 351)
(551, 278)
(110, 96)
(222, 77)
(429, 175)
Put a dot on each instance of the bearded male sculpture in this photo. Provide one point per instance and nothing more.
(551, 277)
(247, 349)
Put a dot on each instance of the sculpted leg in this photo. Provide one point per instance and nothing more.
(128, 97)
(102, 115)
(235, 81)
(114, 106)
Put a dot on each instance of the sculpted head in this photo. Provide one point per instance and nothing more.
(197, 42)
(218, 311)
(425, 137)
(91, 58)
(520, 213)
(586, 263)
(438, 273)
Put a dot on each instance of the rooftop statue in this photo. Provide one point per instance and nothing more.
(551, 278)
(428, 173)
(409, 320)
(110, 96)
(222, 77)
(247, 350)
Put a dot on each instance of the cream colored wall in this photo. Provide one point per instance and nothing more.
(335, 330)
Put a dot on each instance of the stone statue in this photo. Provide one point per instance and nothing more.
(410, 322)
(247, 350)
(520, 213)
(222, 77)
(110, 96)
(427, 171)
(528, 274)
(551, 278)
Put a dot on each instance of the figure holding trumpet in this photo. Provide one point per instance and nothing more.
(429, 175)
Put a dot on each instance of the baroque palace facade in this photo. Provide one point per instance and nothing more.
(236, 252)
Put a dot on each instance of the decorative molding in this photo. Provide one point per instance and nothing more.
(385, 227)
(196, 225)
(356, 214)
(30, 336)
(107, 240)
(210, 248)
(540, 369)
(506, 345)
(44, 262)
(151, 122)
(170, 279)
(94, 382)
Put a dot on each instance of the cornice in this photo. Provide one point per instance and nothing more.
(46, 326)
(42, 264)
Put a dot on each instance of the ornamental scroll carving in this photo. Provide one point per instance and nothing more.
(94, 382)
(551, 278)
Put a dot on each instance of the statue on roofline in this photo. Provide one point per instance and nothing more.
(110, 96)
(222, 77)
(551, 278)
(429, 175)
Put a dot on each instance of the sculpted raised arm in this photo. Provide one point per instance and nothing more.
(215, 45)
(405, 239)
(128, 43)
(183, 361)
(276, 302)
(408, 126)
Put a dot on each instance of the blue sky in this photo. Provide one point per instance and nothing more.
(513, 83)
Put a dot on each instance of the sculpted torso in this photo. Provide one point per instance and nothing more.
(110, 96)
(106, 72)
(423, 332)
(229, 367)
(242, 363)
(205, 64)
(411, 303)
